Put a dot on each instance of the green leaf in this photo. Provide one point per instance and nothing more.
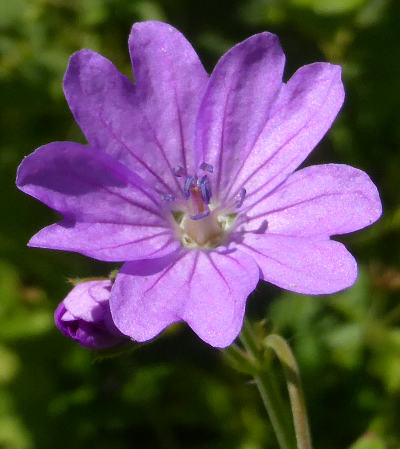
(369, 441)
(329, 6)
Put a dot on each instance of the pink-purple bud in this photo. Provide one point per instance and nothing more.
(85, 316)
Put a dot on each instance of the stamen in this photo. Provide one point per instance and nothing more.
(206, 167)
(200, 216)
(168, 197)
(178, 171)
(190, 180)
(240, 197)
(204, 184)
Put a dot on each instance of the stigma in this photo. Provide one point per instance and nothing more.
(197, 192)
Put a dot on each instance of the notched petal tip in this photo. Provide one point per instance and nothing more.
(88, 73)
(152, 25)
(75, 62)
(302, 265)
(264, 41)
(171, 289)
(19, 179)
(37, 241)
(143, 32)
(319, 73)
(83, 54)
(360, 184)
(371, 193)
(24, 169)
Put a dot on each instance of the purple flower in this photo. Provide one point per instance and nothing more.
(190, 180)
(85, 316)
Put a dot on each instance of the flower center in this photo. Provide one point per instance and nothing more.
(199, 221)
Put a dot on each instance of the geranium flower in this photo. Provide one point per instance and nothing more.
(85, 316)
(190, 180)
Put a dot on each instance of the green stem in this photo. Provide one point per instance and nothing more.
(271, 401)
(249, 341)
(292, 374)
(267, 388)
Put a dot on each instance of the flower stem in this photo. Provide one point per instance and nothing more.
(271, 400)
(268, 390)
(291, 370)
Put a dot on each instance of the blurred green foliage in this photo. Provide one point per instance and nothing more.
(177, 392)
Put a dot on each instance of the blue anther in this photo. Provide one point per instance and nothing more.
(168, 197)
(205, 189)
(240, 197)
(200, 216)
(206, 167)
(190, 180)
(178, 171)
(262, 228)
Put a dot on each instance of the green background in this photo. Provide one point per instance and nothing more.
(177, 392)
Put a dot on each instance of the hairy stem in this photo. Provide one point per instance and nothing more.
(267, 387)
(291, 370)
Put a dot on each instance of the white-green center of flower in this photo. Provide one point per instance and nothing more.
(199, 222)
(206, 233)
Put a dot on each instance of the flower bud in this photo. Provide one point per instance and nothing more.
(85, 316)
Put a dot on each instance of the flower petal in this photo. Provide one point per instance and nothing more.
(319, 200)
(302, 265)
(110, 213)
(237, 104)
(171, 82)
(207, 290)
(148, 127)
(105, 241)
(299, 118)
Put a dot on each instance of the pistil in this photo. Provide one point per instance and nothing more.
(198, 208)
